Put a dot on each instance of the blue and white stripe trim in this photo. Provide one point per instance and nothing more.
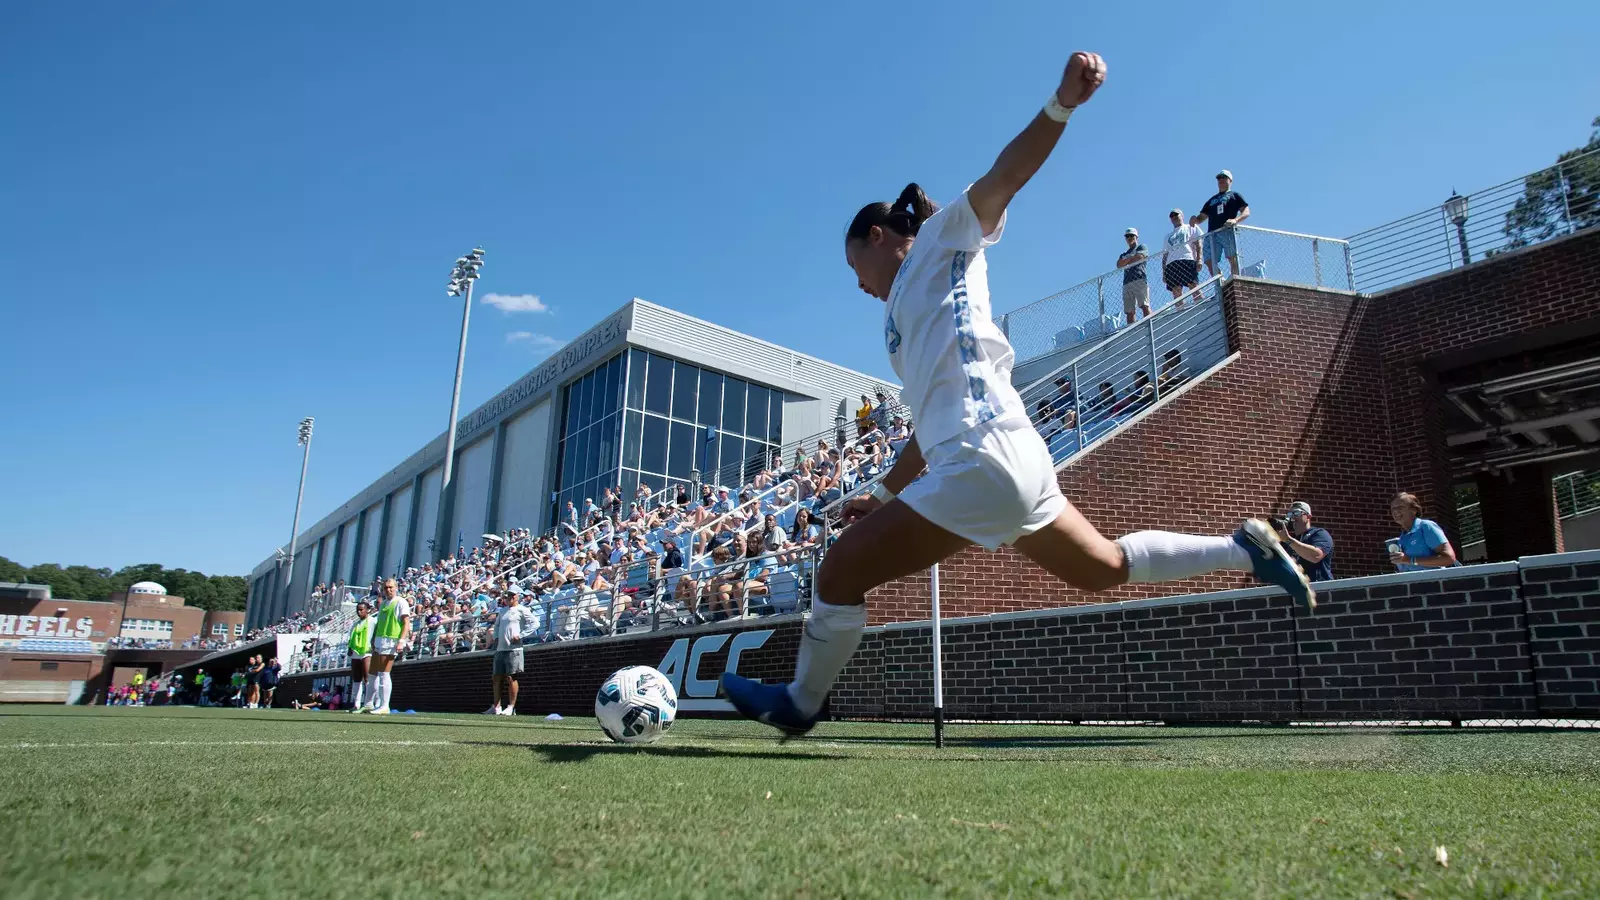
(967, 338)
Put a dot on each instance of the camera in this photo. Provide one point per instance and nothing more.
(1279, 523)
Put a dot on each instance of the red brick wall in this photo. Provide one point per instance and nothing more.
(1297, 417)
(1539, 292)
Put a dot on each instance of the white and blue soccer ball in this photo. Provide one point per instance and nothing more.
(636, 705)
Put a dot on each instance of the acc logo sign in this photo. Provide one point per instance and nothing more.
(681, 665)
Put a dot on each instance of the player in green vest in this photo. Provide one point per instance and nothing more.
(390, 636)
(360, 651)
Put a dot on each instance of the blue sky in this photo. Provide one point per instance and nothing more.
(219, 218)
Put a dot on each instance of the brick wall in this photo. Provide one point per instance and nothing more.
(1503, 640)
(1562, 597)
(1531, 297)
(1331, 401)
(1399, 646)
(1291, 419)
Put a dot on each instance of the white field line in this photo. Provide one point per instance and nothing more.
(30, 745)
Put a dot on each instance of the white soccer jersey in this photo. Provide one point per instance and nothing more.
(943, 344)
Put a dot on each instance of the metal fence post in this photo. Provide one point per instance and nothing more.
(1449, 255)
(1316, 260)
(1149, 325)
(1566, 205)
(1349, 270)
(1077, 400)
(1100, 294)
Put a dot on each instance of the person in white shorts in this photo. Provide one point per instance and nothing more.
(990, 480)
(391, 634)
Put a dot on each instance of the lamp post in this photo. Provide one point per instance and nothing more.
(294, 531)
(1455, 209)
(461, 279)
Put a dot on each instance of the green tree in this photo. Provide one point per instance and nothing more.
(86, 583)
(1560, 199)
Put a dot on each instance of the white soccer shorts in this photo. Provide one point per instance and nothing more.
(991, 484)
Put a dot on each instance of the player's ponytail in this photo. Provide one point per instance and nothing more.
(904, 216)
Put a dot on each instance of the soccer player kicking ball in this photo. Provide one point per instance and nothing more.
(360, 652)
(390, 635)
(990, 479)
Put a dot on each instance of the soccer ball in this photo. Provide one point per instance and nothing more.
(636, 705)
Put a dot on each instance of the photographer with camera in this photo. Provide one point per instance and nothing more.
(1312, 547)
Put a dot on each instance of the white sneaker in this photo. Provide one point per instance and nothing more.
(381, 711)
(493, 710)
(508, 711)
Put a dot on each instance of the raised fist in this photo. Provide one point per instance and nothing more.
(1085, 73)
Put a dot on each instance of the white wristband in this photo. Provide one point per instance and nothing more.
(882, 493)
(1055, 112)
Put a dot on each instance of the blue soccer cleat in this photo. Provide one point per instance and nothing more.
(1272, 564)
(766, 703)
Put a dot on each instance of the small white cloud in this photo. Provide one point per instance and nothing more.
(515, 303)
(532, 339)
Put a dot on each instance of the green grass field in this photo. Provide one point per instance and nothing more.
(210, 803)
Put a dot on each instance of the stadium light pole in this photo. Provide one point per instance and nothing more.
(461, 279)
(294, 530)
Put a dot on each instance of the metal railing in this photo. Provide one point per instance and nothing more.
(1577, 493)
(1085, 398)
(1087, 312)
(1554, 201)
(771, 584)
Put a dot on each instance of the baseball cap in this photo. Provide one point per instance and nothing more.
(1132, 231)
(1298, 507)
(1225, 174)
(1175, 212)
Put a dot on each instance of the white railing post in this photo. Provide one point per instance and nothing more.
(1566, 205)
(1316, 260)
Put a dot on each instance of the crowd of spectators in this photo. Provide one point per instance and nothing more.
(663, 557)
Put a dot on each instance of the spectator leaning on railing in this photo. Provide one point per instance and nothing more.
(1135, 281)
(1180, 257)
(1422, 543)
(1312, 547)
(1225, 209)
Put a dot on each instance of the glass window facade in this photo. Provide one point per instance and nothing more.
(644, 416)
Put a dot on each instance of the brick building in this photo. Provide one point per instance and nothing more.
(53, 649)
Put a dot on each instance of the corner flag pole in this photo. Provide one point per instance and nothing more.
(938, 667)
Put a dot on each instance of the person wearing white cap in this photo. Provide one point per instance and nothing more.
(1225, 209)
(1135, 283)
(1311, 547)
(1180, 259)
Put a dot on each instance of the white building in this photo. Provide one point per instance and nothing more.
(648, 393)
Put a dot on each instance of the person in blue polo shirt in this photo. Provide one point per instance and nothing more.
(1225, 209)
(1421, 544)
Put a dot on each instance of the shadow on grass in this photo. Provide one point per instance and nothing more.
(577, 753)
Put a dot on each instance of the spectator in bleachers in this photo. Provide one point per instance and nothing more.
(1222, 212)
(724, 503)
(1139, 396)
(1135, 280)
(1312, 547)
(1105, 399)
(881, 410)
(898, 434)
(1180, 258)
(1171, 374)
(863, 416)
(1422, 543)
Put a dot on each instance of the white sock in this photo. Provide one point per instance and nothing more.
(829, 640)
(384, 686)
(355, 695)
(1167, 556)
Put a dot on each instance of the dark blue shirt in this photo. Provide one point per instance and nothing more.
(1134, 271)
(1322, 540)
(1222, 207)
